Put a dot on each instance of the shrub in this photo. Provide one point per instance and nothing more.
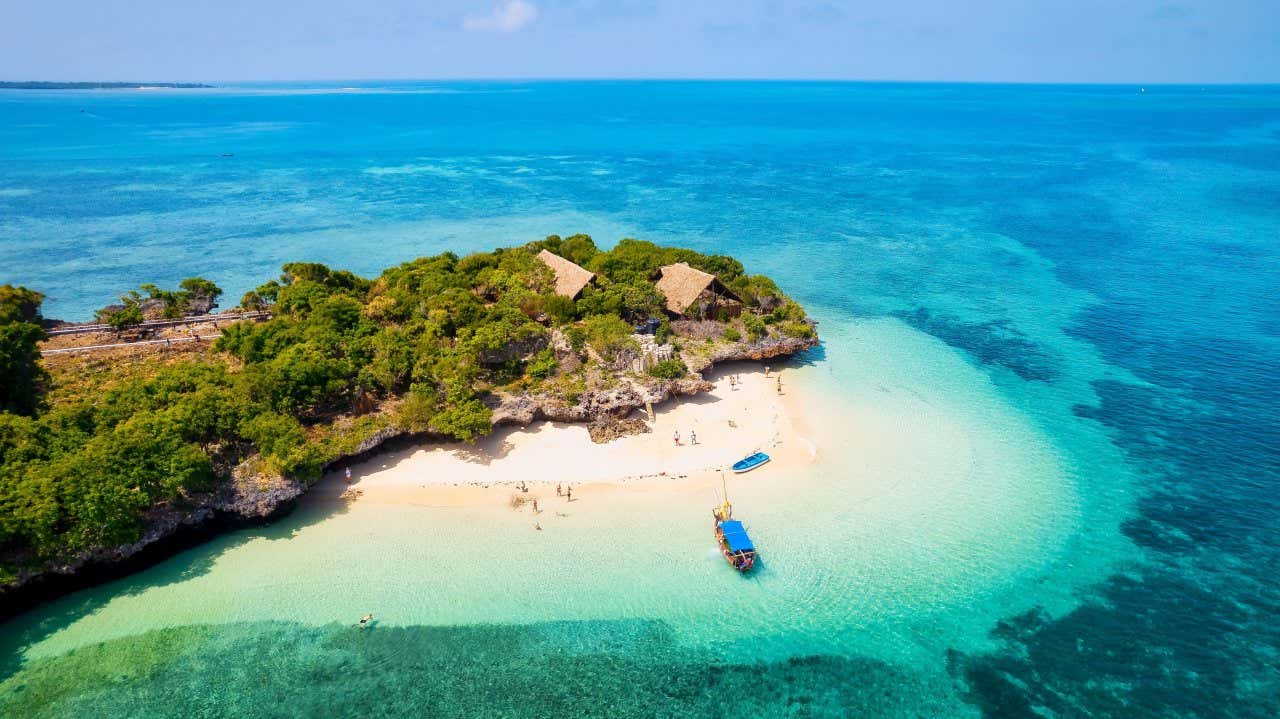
(577, 337)
(561, 309)
(754, 326)
(464, 420)
(542, 365)
(607, 334)
(796, 329)
(663, 333)
(669, 369)
(272, 433)
(417, 409)
(732, 334)
(123, 318)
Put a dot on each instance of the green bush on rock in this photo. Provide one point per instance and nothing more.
(669, 369)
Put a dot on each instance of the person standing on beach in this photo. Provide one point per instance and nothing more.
(535, 505)
(693, 437)
(779, 385)
(348, 475)
(676, 437)
(568, 493)
(559, 492)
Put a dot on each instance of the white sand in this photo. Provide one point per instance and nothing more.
(549, 453)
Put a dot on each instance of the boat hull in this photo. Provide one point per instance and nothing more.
(741, 563)
(756, 460)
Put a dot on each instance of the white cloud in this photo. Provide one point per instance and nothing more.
(506, 16)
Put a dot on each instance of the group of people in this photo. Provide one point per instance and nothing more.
(693, 437)
(562, 490)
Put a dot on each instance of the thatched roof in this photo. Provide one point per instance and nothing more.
(681, 285)
(570, 278)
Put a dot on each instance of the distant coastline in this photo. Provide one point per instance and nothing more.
(44, 85)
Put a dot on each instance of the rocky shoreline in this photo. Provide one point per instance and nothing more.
(254, 499)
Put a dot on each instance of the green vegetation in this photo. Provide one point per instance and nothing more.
(89, 448)
(669, 369)
(195, 295)
(20, 334)
(608, 335)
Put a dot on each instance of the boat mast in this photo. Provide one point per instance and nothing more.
(726, 508)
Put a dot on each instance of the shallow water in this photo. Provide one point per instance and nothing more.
(1044, 407)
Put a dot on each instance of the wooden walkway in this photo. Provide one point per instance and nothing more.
(150, 324)
(91, 348)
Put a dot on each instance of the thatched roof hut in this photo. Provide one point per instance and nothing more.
(570, 278)
(684, 286)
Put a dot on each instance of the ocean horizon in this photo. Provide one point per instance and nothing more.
(1065, 295)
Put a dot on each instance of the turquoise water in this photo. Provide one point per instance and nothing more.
(1072, 288)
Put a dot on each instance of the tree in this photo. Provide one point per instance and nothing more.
(123, 318)
(19, 304)
(199, 287)
(21, 375)
(392, 364)
(251, 301)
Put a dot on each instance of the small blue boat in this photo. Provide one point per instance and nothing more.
(746, 464)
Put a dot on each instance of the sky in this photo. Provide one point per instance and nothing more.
(1145, 41)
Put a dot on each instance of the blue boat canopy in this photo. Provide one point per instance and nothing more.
(736, 536)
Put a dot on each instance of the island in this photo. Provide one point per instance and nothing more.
(171, 424)
(48, 85)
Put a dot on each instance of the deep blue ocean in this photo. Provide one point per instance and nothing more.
(1111, 249)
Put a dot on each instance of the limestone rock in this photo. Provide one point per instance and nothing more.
(609, 430)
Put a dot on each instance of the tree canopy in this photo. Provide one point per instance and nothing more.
(21, 376)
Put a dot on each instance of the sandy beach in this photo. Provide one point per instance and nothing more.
(735, 419)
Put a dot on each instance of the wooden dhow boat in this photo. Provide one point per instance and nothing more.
(732, 537)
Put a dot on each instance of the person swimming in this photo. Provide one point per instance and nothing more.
(364, 621)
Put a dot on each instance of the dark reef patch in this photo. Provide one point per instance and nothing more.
(579, 669)
(994, 342)
(1190, 631)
